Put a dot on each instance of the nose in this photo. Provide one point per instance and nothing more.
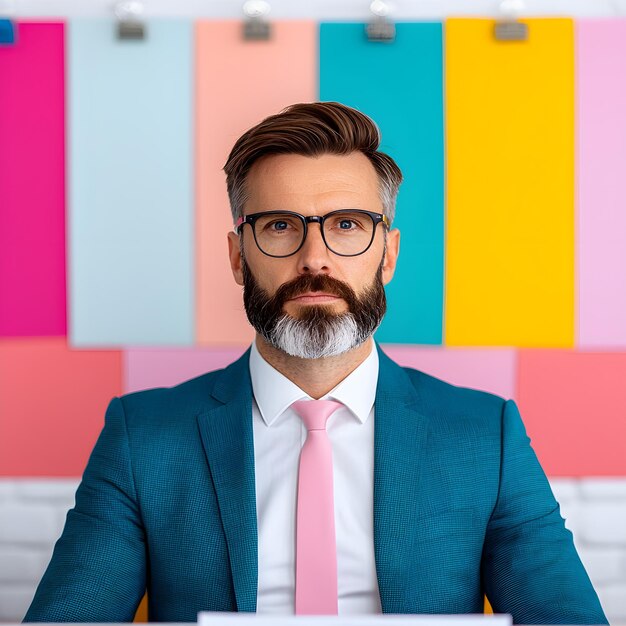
(314, 256)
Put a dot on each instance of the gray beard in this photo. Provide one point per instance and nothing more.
(317, 333)
(302, 339)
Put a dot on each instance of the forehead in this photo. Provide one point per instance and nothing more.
(313, 184)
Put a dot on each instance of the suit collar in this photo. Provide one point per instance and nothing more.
(394, 384)
(234, 380)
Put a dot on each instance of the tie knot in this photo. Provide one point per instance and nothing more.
(315, 413)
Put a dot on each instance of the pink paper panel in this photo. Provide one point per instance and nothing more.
(574, 408)
(146, 368)
(238, 83)
(490, 370)
(52, 405)
(601, 49)
(32, 190)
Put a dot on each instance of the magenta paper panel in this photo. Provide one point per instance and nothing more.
(490, 370)
(147, 368)
(601, 47)
(574, 408)
(32, 189)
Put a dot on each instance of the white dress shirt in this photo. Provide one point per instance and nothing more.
(279, 435)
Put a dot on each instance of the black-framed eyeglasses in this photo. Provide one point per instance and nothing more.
(346, 232)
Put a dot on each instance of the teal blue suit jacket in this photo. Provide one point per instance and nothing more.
(462, 508)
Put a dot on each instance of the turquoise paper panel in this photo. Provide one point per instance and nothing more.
(131, 208)
(399, 85)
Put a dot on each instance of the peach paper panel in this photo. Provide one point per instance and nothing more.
(490, 370)
(601, 55)
(52, 405)
(238, 83)
(574, 408)
(147, 368)
(32, 182)
(510, 185)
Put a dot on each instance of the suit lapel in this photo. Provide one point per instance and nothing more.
(400, 434)
(227, 437)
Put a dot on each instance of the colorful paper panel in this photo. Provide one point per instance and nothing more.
(148, 368)
(510, 173)
(574, 408)
(52, 405)
(399, 85)
(131, 214)
(601, 93)
(238, 83)
(32, 182)
(491, 370)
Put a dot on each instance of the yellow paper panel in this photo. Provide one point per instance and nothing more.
(510, 175)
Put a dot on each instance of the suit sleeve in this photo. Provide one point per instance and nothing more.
(97, 572)
(530, 566)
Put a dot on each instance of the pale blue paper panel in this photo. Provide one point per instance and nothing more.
(131, 214)
(400, 85)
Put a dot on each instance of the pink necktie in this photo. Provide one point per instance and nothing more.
(316, 549)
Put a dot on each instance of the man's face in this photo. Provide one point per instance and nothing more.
(314, 284)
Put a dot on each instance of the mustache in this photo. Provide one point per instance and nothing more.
(319, 282)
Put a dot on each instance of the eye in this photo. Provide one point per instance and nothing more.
(346, 223)
(279, 225)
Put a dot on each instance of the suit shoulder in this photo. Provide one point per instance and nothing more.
(447, 398)
(188, 396)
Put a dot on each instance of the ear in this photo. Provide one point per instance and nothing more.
(234, 253)
(391, 255)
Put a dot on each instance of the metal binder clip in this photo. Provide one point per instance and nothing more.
(255, 26)
(509, 28)
(8, 27)
(380, 28)
(129, 14)
(8, 32)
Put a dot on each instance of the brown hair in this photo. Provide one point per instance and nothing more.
(311, 129)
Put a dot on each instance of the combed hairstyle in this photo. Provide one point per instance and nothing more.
(311, 129)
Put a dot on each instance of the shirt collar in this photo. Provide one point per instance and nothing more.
(275, 393)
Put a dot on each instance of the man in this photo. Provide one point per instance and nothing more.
(240, 490)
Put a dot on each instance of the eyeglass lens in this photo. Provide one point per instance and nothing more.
(346, 233)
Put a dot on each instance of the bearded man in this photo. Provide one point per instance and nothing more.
(314, 475)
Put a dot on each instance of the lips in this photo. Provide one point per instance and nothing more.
(315, 297)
